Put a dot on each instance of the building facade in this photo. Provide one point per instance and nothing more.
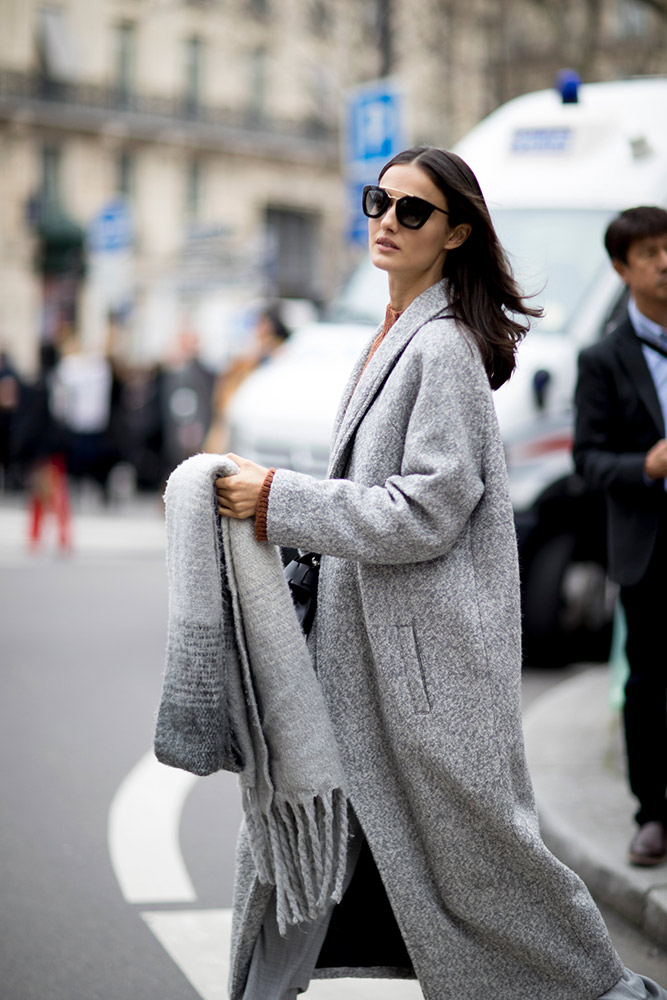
(165, 161)
(160, 160)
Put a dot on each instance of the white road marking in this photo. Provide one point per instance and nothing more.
(143, 834)
(364, 989)
(198, 942)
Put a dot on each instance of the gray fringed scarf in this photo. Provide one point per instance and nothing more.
(240, 694)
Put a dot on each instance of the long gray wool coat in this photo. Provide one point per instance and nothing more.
(417, 648)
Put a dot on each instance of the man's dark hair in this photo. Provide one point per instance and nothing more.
(633, 224)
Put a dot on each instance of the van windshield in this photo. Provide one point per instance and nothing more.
(556, 255)
(363, 299)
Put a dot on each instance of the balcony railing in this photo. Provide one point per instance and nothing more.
(91, 107)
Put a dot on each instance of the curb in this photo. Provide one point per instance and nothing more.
(574, 744)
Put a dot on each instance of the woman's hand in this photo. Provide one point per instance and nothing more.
(237, 495)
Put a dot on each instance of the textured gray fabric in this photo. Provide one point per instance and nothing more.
(282, 965)
(418, 655)
(240, 693)
(201, 722)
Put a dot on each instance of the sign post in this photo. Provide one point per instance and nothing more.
(110, 240)
(374, 132)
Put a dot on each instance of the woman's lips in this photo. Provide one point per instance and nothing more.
(382, 241)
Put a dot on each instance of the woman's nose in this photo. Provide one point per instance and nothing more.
(389, 217)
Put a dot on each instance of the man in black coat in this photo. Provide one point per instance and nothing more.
(620, 448)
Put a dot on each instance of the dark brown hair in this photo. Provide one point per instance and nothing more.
(483, 294)
(633, 224)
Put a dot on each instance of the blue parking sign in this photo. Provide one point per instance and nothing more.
(374, 125)
(111, 229)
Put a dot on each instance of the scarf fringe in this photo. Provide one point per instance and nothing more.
(300, 846)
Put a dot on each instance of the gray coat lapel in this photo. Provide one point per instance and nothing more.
(358, 398)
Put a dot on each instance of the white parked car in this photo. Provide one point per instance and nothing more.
(553, 174)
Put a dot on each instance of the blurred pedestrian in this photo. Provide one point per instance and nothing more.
(41, 444)
(269, 335)
(417, 642)
(9, 403)
(620, 448)
(80, 399)
(136, 423)
(186, 388)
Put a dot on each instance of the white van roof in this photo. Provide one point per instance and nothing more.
(609, 150)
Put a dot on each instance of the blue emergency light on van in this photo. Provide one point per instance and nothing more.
(568, 82)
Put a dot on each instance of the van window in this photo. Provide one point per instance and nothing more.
(557, 255)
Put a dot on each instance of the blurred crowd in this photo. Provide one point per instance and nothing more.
(121, 426)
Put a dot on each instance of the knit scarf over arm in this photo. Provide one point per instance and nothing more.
(240, 694)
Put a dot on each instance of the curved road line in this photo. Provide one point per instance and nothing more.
(143, 833)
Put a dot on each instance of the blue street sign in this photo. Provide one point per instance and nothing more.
(374, 132)
(111, 229)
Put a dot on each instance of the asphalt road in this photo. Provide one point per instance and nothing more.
(94, 904)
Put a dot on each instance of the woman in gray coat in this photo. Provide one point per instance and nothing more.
(417, 642)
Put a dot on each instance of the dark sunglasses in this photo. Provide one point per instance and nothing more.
(411, 212)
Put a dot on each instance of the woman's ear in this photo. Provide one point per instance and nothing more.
(458, 236)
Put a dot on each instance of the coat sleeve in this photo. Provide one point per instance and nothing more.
(596, 431)
(417, 513)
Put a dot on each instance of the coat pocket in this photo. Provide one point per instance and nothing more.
(413, 668)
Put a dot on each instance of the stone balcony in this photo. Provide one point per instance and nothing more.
(91, 108)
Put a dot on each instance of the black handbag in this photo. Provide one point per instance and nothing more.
(301, 575)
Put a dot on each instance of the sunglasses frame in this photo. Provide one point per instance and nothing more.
(399, 202)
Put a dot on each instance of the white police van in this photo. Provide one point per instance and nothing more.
(554, 167)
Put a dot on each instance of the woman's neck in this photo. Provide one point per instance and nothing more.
(402, 292)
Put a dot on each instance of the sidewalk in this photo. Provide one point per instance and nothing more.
(574, 743)
(132, 528)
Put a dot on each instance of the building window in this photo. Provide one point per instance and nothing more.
(257, 82)
(55, 49)
(371, 15)
(51, 170)
(633, 19)
(319, 16)
(125, 59)
(193, 196)
(125, 173)
(292, 237)
(194, 52)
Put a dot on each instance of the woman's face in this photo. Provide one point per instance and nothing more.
(413, 254)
